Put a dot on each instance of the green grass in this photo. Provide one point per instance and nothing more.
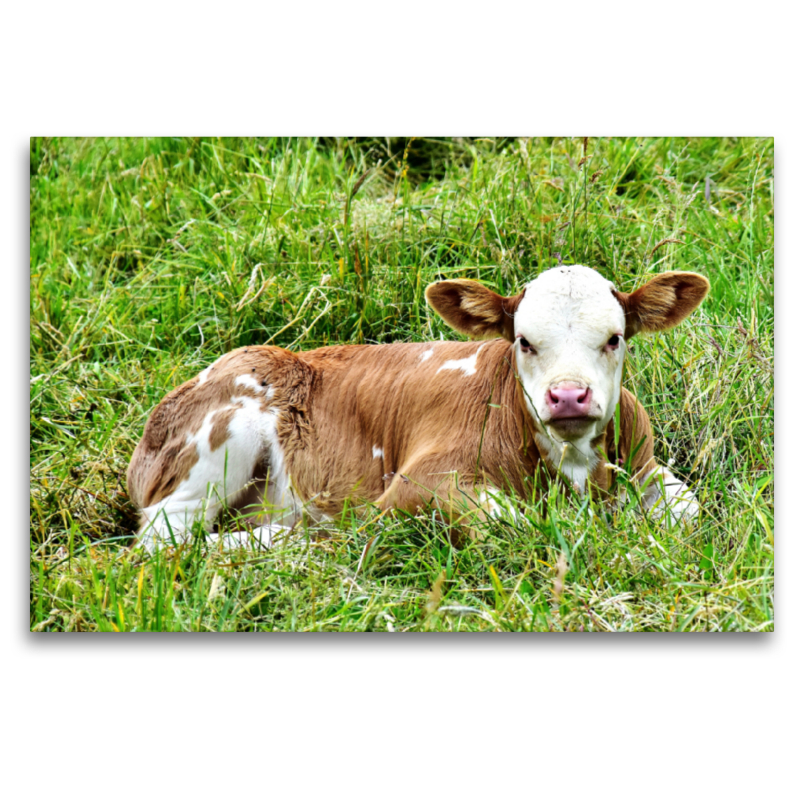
(150, 258)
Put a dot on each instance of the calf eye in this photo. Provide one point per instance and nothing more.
(613, 342)
(525, 345)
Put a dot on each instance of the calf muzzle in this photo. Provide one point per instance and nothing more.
(568, 400)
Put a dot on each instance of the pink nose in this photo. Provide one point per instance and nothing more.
(569, 400)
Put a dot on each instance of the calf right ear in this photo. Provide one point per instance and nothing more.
(663, 302)
(472, 309)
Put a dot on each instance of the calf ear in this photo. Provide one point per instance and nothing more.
(472, 309)
(662, 302)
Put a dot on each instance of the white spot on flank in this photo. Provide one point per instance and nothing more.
(251, 383)
(467, 365)
(248, 402)
(377, 452)
(426, 355)
(206, 373)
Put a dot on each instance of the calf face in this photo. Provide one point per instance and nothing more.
(570, 328)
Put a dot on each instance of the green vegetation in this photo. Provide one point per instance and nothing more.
(150, 258)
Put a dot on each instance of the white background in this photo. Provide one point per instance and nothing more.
(382, 716)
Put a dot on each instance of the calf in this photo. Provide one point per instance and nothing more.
(272, 433)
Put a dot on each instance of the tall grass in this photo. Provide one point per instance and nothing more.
(151, 257)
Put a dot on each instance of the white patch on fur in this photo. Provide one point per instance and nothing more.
(251, 383)
(426, 355)
(467, 365)
(220, 475)
(377, 452)
(666, 495)
(206, 373)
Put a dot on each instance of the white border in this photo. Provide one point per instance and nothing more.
(637, 716)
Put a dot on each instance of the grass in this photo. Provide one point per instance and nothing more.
(151, 257)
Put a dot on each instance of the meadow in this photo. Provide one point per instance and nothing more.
(149, 258)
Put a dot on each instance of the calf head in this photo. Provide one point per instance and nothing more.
(570, 328)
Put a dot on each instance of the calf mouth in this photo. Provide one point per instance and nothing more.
(571, 427)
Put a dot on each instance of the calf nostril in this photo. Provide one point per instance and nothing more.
(584, 397)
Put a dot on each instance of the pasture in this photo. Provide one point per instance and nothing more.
(150, 258)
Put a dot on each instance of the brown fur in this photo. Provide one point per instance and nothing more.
(427, 423)
(219, 430)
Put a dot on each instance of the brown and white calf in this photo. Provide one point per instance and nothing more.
(273, 433)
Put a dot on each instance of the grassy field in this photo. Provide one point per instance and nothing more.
(150, 258)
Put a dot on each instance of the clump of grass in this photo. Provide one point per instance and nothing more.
(151, 257)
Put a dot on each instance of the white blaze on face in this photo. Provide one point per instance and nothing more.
(568, 315)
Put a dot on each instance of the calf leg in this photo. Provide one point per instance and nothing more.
(262, 536)
(665, 495)
(460, 501)
(222, 474)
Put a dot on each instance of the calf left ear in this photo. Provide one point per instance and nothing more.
(472, 309)
(663, 302)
